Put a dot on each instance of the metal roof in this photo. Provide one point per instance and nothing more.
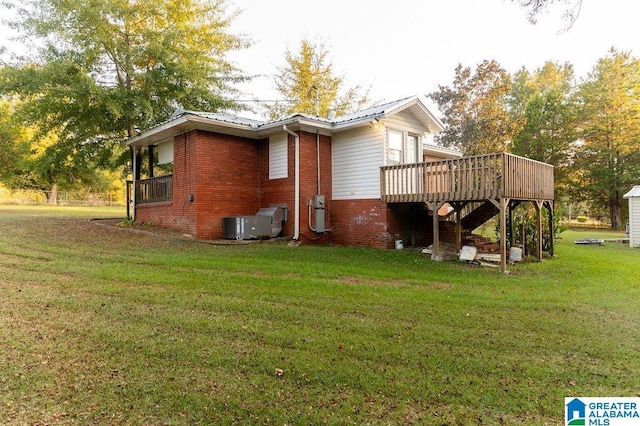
(635, 192)
(228, 118)
(184, 120)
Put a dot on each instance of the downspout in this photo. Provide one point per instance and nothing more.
(318, 158)
(296, 214)
(134, 170)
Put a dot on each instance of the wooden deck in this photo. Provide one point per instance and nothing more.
(492, 176)
(502, 180)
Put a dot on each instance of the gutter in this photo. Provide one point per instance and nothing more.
(296, 214)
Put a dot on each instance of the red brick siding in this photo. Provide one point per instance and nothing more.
(220, 172)
(281, 191)
(360, 223)
(309, 182)
(277, 191)
(229, 176)
(376, 224)
(226, 176)
(179, 214)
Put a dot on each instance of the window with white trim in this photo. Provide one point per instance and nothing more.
(394, 147)
(403, 148)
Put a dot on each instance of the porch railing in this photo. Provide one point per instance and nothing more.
(466, 179)
(154, 190)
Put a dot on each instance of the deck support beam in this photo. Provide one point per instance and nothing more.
(457, 207)
(538, 205)
(502, 204)
(435, 206)
(549, 206)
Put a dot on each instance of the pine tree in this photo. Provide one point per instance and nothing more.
(309, 85)
(608, 163)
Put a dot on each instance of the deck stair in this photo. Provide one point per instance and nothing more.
(480, 215)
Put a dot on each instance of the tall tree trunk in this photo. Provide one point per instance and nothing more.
(52, 196)
(615, 210)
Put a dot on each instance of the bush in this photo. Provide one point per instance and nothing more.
(581, 219)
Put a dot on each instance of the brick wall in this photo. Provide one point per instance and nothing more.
(281, 191)
(277, 191)
(220, 172)
(229, 176)
(178, 214)
(360, 223)
(227, 182)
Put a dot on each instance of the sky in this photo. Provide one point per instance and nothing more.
(400, 48)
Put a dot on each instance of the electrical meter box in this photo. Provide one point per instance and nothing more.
(319, 208)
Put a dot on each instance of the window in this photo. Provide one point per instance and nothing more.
(397, 143)
(413, 149)
(394, 148)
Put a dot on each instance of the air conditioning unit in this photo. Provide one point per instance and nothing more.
(266, 223)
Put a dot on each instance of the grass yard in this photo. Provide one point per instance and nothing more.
(104, 325)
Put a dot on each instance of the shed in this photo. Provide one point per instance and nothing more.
(634, 216)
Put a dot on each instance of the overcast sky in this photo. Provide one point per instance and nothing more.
(404, 47)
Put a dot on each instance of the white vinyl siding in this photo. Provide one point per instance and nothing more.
(278, 157)
(165, 153)
(634, 222)
(356, 159)
(404, 121)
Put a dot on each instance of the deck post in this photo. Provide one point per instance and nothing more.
(435, 206)
(458, 206)
(538, 205)
(458, 229)
(150, 149)
(510, 225)
(549, 206)
(502, 204)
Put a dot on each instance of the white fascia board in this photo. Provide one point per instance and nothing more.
(635, 192)
(159, 133)
(439, 124)
(188, 122)
(440, 150)
(295, 124)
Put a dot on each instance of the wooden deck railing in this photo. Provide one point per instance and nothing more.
(154, 190)
(467, 179)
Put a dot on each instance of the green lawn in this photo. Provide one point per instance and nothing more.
(103, 325)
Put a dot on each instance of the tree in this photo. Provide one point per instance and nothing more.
(536, 7)
(608, 163)
(308, 84)
(475, 110)
(545, 101)
(13, 143)
(525, 85)
(105, 69)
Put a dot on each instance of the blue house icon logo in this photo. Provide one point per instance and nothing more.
(576, 413)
